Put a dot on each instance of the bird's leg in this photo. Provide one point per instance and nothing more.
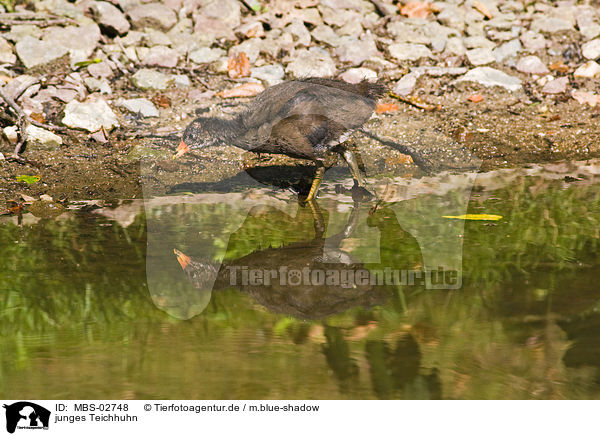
(352, 162)
(316, 183)
(319, 222)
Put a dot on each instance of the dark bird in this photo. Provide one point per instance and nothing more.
(306, 119)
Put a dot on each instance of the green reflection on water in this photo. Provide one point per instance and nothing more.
(77, 319)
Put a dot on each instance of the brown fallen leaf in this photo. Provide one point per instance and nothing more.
(483, 9)
(559, 67)
(40, 118)
(402, 160)
(475, 98)
(417, 9)
(245, 90)
(161, 100)
(586, 98)
(386, 107)
(238, 66)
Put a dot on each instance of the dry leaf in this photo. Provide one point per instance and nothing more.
(402, 160)
(238, 66)
(475, 98)
(417, 10)
(586, 98)
(40, 118)
(161, 100)
(245, 90)
(483, 9)
(386, 107)
(559, 66)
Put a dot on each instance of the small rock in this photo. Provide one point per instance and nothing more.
(299, 32)
(80, 41)
(205, 55)
(407, 83)
(588, 70)
(90, 115)
(487, 76)
(252, 47)
(455, 46)
(161, 56)
(507, 50)
(100, 85)
(355, 51)
(150, 79)
(478, 42)
(357, 75)
(154, 37)
(309, 15)
(132, 38)
(591, 50)
(351, 28)
(587, 22)
(33, 52)
(253, 29)
(339, 17)
(111, 20)
(440, 71)
(152, 15)
(100, 70)
(271, 74)
(480, 56)
(556, 86)
(227, 12)
(11, 133)
(327, 35)
(42, 138)
(196, 95)
(533, 41)
(181, 81)
(409, 52)
(312, 62)
(139, 106)
(532, 65)
(6, 52)
(18, 84)
(209, 29)
(20, 31)
(550, 24)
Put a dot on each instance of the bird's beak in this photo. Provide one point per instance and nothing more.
(182, 258)
(181, 150)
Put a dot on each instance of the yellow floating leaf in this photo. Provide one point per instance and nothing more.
(475, 217)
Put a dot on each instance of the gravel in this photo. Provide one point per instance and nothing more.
(487, 76)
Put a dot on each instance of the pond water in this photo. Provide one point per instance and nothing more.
(247, 294)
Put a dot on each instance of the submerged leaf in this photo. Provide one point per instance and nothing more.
(475, 217)
(30, 180)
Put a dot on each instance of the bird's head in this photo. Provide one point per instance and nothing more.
(198, 134)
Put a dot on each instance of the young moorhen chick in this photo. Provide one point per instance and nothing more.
(307, 119)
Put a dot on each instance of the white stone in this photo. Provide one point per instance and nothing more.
(42, 138)
(591, 50)
(139, 106)
(90, 116)
(588, 70)
(489, 77)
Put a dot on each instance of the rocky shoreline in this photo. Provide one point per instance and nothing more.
(507, 82)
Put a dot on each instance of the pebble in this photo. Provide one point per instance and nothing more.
(588, 70)
(355, 51)
(6, 52)
(101, 69)
(271, 74)
(409, 52)
(161, 56)
(111, 20)
(326, 34)
(90, 115)
(20, 31)
(532, 65)
(181, 80)
(150, 79)
(480, 56)
(507, 50)
(252, 47)
(456, 46)
(152, 15)
(205, 55)
(100, 85)
(407, 83)
(440, 71)
(11, 133)
(549, 24)
(33, 52)
(587, 22)
(299, 32)
(312, 62)
(533, 40)
(556, 86)
(42, 138)
(489, 77)
(139, 106)
(357, 75)
(591, 50)
(210, 29)
(227, 12)
(80, 41)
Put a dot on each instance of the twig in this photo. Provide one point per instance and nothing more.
(416, 102)
(417, 157)
(22, 119)
(41, 20)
